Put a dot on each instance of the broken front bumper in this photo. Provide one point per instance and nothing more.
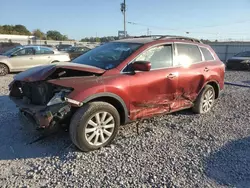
(43, 116)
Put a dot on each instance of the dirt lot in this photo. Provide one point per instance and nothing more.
(177, 150)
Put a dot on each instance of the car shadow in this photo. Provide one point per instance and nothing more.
(20, 140)
(230, 165)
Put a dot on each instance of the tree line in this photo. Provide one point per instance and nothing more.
(99, 39)
(53, 34)
(22, 30)
(49, 35)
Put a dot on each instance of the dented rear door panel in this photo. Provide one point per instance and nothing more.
(152, 92)
(190, 83)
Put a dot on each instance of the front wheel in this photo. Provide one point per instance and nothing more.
(94, 125)
(3, 70)
(205, 100)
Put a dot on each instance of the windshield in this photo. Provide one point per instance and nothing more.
(107, 56)
(12, 50)
(243, 54)
(71, 49)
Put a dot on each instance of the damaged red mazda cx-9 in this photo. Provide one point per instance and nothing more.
(119, 82)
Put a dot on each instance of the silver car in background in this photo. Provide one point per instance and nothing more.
(22, 58)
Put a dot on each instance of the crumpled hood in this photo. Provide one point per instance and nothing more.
(40, 73)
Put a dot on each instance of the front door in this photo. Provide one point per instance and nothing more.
(22, 59)
(153, 92)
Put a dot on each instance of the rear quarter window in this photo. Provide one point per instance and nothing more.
(207, 54)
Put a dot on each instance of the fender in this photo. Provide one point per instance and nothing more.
(112, 95)
(213, 81)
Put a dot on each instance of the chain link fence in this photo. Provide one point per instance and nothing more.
(226, 50)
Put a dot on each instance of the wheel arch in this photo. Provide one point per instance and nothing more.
(216, 87)
(55, 61)
(114, 100)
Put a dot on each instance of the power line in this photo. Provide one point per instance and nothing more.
(188, 31)
(218, 25)
(145, 25)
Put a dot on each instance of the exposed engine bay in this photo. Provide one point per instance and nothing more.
(36, 93)
(43, 103)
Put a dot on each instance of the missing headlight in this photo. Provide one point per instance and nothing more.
(59, 97)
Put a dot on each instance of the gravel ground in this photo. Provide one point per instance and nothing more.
(177, 150)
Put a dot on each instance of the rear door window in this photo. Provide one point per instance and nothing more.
(187, 54)
(25, 51)
(207, 54)
(44, 50)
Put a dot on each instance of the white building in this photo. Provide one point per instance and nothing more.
(15, 37)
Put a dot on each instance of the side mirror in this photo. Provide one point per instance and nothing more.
(141, 66)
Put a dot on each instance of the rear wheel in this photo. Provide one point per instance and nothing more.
(4, 70)
(205, 100)
(94, 125)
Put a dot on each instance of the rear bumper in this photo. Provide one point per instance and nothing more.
(43, 116)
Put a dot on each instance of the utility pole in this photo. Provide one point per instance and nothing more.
(123, 10)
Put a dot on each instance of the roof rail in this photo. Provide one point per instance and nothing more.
(181, 38)
(145, 36)
(158, 37)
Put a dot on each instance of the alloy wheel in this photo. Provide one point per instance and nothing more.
(3, 70)
(100, 128)
(208, 100)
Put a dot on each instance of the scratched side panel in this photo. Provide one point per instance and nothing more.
(191, 80)
(151, 93)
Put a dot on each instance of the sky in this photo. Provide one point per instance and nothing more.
(222, 19)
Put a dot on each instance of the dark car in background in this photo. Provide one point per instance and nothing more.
(76, 51)
(240, 61)
(63, 47)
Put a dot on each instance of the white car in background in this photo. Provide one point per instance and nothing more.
(22, 58)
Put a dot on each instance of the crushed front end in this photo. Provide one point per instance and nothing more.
(42, 103)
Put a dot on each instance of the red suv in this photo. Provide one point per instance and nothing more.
(119, 82)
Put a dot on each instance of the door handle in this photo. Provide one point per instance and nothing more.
(31, 57)
(171, 76)
(49, 57)
(206, 69)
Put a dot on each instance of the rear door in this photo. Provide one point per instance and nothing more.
(153, 92)
(43, 56)
(191, 72)
(22, 59)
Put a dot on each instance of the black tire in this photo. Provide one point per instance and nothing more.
(79, 123)
(4, 70)
(198, 104)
